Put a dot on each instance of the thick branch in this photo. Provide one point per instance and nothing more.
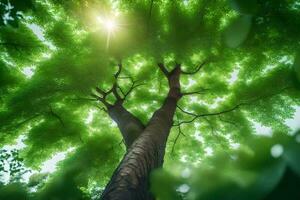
(102, 100)
(163, 69)
(129, 125)
(115, 92)
(100, 91)
(131, 179)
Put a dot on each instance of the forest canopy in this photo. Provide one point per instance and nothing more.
(65, 64)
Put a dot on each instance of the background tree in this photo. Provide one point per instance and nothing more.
(71, 68)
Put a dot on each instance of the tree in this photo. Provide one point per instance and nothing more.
(182, 77)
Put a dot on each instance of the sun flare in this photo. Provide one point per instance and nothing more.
(110, 25)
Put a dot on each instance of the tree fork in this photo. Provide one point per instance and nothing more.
(129, 125)
(130, 180)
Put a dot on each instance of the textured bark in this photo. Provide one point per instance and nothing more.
(130, 180)
(129, 125)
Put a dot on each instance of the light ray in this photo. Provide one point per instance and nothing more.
(110, 25)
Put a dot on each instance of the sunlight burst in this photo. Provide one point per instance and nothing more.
(108, 23)
(110, 26)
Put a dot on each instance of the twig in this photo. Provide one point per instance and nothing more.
(226, 121)
(196, 70)
(177, 137)
(196, 116)
(56, 116)
(202, 91)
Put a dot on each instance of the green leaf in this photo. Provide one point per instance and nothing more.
(22, 5)
(14, 191)
(237, 32)
(244, 6)
(296, 66)
(291, 155)
(164, 185)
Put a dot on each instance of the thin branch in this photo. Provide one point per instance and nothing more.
(115, 92)
(122, 142)
(101, 108)
(213, 131)
(133, 86)
(186, 112)
(186, 122)
(56, 116)
(100, 91)
(224, 111)
(121, 90)
(115, 84)
(177, 137)
(18, 125)
(202, 91)
(196, 70)
(102, 100)
(196, 116)
(27, 120)
(227, 121)
(163, 69)
(120, 66)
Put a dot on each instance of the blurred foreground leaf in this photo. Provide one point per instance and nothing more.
(237, 32)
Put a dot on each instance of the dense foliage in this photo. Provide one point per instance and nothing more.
(54, 53)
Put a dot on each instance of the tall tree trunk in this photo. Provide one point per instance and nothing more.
(129, 125)
(130, 180)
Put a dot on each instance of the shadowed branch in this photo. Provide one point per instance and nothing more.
(196, 70)
(177, 137)
(20, 124)
(163, 69)
(133, 86)
(116, 89)
(58, 117)
(201, 91)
